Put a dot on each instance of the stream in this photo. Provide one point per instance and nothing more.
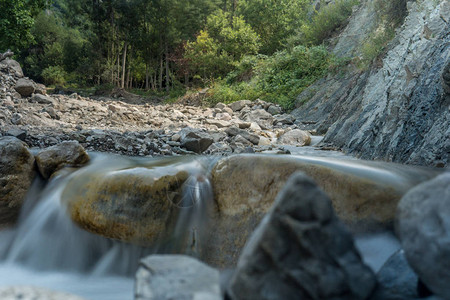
(46, 249)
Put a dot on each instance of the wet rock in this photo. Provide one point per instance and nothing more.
(446, 78)
(423, 227)
(396, 279)
(66, 154)
(260, 117)
(33, 293)
(239, 105)
(302, 239)
(129, 204)
(295, 137)
(169, 277)
(16, 174)
(195, 140)
(25, 87)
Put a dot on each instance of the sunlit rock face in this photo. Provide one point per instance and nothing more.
(133, 204)
(16, 174)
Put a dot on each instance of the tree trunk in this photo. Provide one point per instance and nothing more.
(161, 73)
(124, 61)
(146, 76)
(129, 76)
(118, 69)
(166, 54)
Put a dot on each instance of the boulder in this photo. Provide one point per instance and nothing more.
(42, 99)
(301, 250)
(446, 78)
(239, 105)
(65, 154)
(274, 110)
(33, 293)
(14, 66)
(295, 137)
(131, 204)
(423, 226)
(195, 140)
(16, 174)
(169, 277)
(40, 89)
(260, 117)
(25, 87)
(234, 131)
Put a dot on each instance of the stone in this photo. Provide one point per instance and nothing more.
(195, 140)
(170, 277)
(130, 204)
(40, 89)
(33, 293)
(285, 119)
(16, 119)
(223, 116)
(42, 99)
(17, 133)
(234, 131)
(260, 117)
(446, 78)
(301, 250)
(65, 154)
(423, 224)
(218, 123)
(274, 110)
(239, 105)
(396, 279)
(16, 174)
(295, 137)
(14, 66)
(220, 106)
(25, 87)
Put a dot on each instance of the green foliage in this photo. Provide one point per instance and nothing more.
(390, 15)
(278, 78)
(220, 46)
(325, 22)
(54, 75)
(274, 21)
(16, 21)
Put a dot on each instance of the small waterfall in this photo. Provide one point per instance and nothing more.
(46, 241)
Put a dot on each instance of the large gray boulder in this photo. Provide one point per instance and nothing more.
(301, 251)
(195, 140)
(260, 117)
(176, 277)
(16, 174)
(66, 154)
(13, 66)
(25, 87)
(423, 225)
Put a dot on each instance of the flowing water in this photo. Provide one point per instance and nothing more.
(47, 249)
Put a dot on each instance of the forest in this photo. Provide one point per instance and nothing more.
(239, 49)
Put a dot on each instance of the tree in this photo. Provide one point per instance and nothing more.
(16, 21)
(274, 21)
(222, 44)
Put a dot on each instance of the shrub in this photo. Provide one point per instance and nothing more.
(324, 23)
(54, 75)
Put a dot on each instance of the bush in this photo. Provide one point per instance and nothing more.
(54, 75)
(324, 23)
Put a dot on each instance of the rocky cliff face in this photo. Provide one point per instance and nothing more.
(399, 111)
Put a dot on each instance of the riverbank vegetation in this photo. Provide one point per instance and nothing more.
(239, 49)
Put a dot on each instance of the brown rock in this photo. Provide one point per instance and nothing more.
(66, 154)
(16, 174)
(25, 87)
